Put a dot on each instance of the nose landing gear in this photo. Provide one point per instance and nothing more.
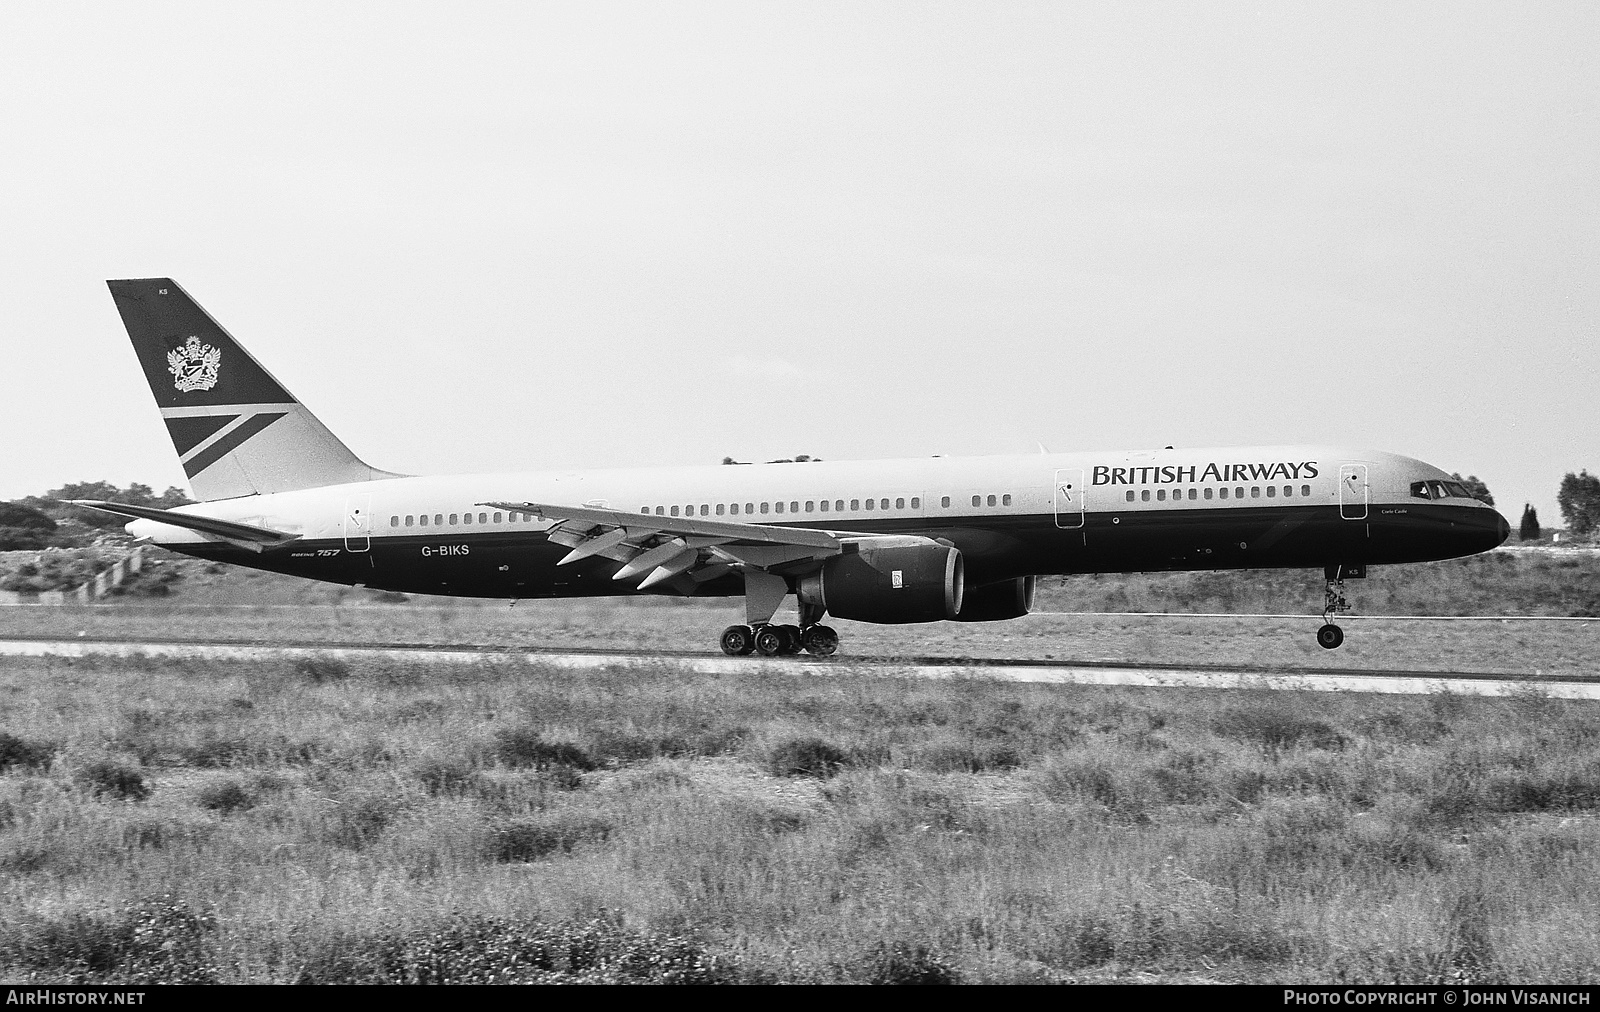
(1334, 603)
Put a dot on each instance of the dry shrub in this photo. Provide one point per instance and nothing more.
(493, 950)
(159, 940)
(532, 839)
(805, 757)
(225, 796)
(905, 963)
(1275, 728)
(24, 754)
(111, 779)
(525, 747)
(320, 669)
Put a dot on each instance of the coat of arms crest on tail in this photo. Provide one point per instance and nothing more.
(194, 366)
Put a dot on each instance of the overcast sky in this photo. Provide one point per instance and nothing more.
(521, 236)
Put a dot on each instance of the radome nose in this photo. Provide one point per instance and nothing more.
(1505, 529)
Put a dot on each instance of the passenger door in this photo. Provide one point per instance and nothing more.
(1069, 498)
(358, 523)
(1353, 491)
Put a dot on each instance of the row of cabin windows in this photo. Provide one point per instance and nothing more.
(810, 506)
(438, 519)
(1222, 493)
(793, 506)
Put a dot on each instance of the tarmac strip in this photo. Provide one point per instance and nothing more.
(1413, 683)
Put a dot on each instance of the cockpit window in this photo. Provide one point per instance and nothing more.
(1439, 490)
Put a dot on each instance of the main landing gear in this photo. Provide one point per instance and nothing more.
(779, 640)
(1334, 603)
(763, 592)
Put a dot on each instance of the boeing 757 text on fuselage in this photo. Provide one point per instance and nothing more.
(887, 541)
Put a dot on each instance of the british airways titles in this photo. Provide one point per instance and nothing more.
(1171, 474)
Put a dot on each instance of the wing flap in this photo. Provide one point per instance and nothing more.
(589, 516)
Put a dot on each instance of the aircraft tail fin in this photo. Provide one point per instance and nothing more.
(236, 429)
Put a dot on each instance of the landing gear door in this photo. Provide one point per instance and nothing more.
(358, 523)
(1069, 497)
(1353, 491)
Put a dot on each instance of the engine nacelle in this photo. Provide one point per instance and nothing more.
(890, 581)
(994, 602)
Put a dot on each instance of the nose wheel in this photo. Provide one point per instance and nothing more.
(1334, 603)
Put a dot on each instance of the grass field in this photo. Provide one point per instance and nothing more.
(318, 822)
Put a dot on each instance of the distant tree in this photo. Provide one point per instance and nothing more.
(23, 528)
(52, 504)
(1477, 489)
(1579, 499)
(1530, 523)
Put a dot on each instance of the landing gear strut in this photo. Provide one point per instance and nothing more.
(1334, 603)
(763, 593)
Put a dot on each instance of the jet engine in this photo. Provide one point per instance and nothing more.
(889, 580)
(994, 602)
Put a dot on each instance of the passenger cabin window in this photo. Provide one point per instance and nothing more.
(916, 502)
(422, 521)
(1130, 495)
(811, 505)
(1238, 493)
(763, 507)
(1145, 495)
(497, 518)
(1161, 495)
(1272, 491)
(750, 508)
(1223, 493)
(977, 500)
(794, 506)
(944, 501)
(1005, 500)
(1305, 489)
(838, 505)
(734, 509)
(871, 503)
(1208, 493)
(408, 520)
(719, 509)
(884, 503)
(824, 505)
(1194, 493)
(394, 521)
(780, 507)
(855, 504)
(899, 504)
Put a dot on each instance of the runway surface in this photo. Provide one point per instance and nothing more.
(1015, 670)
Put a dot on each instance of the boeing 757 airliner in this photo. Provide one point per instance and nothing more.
(888, 541)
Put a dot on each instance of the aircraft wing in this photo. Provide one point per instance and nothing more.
(247, 534)
(688, 550)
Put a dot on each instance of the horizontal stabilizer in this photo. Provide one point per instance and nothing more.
(262, 536)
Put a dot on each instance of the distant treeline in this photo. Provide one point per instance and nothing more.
(47, 521)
